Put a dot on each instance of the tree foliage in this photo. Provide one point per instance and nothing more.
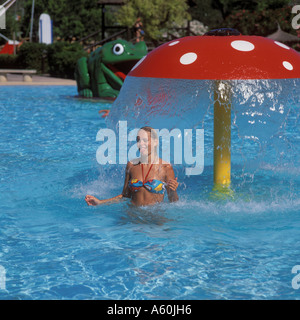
(62, 58)
(215, 13)
(262, 22)
(78, 18)
(71, 18)
(156, 15)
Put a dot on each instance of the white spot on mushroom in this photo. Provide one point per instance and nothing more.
(173, 43)
(242, 45)
(281, 45)
(188, 58)
(287, 65)
(138, 63)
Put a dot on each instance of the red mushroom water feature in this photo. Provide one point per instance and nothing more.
(232, 57)
(221, 55)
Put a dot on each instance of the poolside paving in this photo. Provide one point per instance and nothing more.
(40, 80)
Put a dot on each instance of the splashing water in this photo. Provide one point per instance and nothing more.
(53, 246)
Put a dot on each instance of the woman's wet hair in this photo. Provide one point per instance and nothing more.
(151, 130)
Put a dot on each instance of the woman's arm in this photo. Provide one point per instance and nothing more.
(172, 184)
(93, 201)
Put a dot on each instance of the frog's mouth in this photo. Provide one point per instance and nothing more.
(121, 69)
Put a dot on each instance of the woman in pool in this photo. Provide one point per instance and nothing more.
(147, 177)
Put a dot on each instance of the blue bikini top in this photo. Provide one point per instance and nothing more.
(152, 185)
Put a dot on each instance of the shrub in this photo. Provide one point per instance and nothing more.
(59, 59)
(8, 61)
(33, 56)
(62, 58)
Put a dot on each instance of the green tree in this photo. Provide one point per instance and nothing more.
(156, 15)
(71, 18)
(209, 14)
(215, 13)
(12, 23)
(261, 22)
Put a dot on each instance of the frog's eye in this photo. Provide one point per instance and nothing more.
(118, 49)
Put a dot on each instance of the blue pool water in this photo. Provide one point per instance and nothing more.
(53, 246)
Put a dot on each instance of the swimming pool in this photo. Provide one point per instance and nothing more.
(53, 246)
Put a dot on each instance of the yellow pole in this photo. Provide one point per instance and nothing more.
(222, 133)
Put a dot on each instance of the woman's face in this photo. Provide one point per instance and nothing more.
(145, 144)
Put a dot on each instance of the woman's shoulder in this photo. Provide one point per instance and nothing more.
(137, 161)
(167, 168)
(165, 163)
(133, 162)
